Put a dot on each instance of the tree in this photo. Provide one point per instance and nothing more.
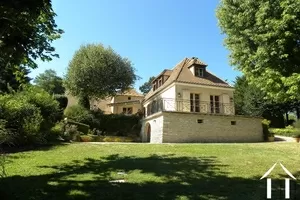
(250, 100)
(146, 87)
(264, 43)
(27, 28)
(50, 82)
(13, 78)
(96, 71)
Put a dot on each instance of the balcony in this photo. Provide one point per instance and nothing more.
(194, 106)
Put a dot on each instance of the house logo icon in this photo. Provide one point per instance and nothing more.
(269, 181)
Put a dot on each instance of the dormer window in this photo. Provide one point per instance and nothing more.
(154, 87)
(159, 82)
(199, 71)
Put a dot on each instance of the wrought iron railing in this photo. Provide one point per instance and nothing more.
(181, 105)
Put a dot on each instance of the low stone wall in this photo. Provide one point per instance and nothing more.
(193, 127)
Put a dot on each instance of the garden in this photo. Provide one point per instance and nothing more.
(139, 171)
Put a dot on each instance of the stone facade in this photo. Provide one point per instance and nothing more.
(179, 127)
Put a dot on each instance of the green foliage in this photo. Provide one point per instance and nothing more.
(45, 102)
(50, 82)
(120, 125)
(70, 132)
(248, 99)
(22, 118)
(266, 132)
(62, 100)
(13, 78)
(27, 29)
(29, 115)
(288, 132)
(79, 114)
(5, 133)
(96, 71)
(146, 87)
(263, 40)
(84, 101)
(56, 131)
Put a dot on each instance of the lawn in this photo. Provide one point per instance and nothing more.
(168, 171)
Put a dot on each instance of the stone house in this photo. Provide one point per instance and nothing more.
(190, 104)
(128, 103)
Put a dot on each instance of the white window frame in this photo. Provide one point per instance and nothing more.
(199, 71)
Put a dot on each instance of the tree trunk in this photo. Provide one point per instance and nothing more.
(287, 118)
(297, 112)
(84, 101)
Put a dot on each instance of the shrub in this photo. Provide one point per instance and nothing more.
(45, 102)
(119, 125)
(79, 114)
(5, 133)
(70, 131)
(62, 100)
(56, 131)
(84, 128)
(23, 119)
(265, 125)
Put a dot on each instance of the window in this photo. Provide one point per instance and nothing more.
(154, 87)
(129, 98)
(214, 104)
(199, 71)
(127, 110)
(200, 121)
(159, 82)
(195, 102)
(233, 122)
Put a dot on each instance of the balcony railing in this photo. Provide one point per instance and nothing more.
(190, 106)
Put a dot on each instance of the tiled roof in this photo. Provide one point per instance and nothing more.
(181, 73)
(131, 92)
(166, 72)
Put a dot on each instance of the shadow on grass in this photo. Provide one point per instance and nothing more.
(153, 177)
(42, 147)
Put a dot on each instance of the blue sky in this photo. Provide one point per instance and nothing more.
(153, 34)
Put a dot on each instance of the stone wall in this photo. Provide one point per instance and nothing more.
(155, 122)
(192, 127)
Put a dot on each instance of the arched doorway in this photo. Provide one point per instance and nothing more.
(148, 132)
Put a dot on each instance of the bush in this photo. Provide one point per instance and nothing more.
(119, 125)
(84, 128)
(79, 114)
(62, 100)
(22, 118)
(266, 133)
(5, 134)
(45, 102)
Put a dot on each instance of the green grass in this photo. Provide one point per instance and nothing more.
(168, 171)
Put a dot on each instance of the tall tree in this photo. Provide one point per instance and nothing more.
(27, 28)
(146, 87)
(50, 82)
(96, 71)
(263, 37)
(248, 99)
